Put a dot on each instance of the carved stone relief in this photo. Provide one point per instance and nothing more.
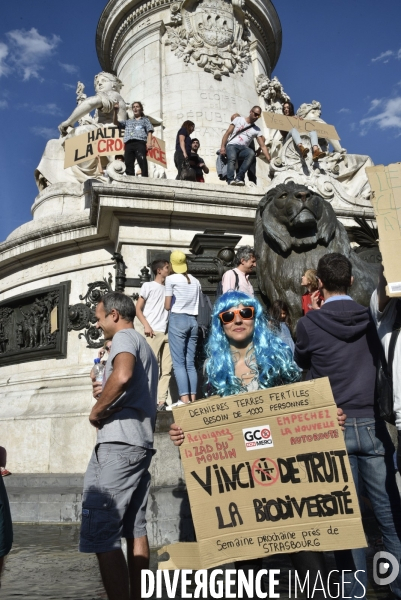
(33, 325)
(213, 34)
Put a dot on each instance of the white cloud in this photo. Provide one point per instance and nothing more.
(388, 118)
(29, 50)
(3, 104)
(384, 55)
(4, 68)
(70, 69)
(45, 132)
(69, 86)
(387, 55)
(344, 110)
(375, 103)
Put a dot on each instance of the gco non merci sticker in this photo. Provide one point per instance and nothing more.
(258, 437)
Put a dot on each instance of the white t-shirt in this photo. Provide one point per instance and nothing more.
(154, 312)
(243, 139)
(384, 323)
(186, 295)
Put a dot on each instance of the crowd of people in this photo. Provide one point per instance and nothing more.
(247, 349)
(235, 158)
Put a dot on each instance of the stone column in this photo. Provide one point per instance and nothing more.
(194, 60)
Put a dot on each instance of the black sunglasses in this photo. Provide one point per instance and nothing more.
(245, 313)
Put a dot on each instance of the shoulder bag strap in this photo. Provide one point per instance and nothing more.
(236, 280)
(241, 131)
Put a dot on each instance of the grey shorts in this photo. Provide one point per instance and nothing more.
(116, 488)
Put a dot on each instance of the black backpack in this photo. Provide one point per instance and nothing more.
(219, 289)
(204, 312)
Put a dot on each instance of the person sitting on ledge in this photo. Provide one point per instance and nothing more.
(245, 356)
(137, 138)
(235, 144)
(288, 110)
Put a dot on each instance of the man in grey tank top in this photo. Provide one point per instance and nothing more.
(117, 479)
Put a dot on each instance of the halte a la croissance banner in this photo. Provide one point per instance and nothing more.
(106, 141)
(284, 123)
(386, 200)
(267, 472)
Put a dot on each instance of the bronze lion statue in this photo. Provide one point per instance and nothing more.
(294, 227)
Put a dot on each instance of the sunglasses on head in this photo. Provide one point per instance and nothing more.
(245, 313)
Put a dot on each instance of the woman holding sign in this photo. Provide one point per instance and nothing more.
(244, 355)
(137, 138)
(288, 111)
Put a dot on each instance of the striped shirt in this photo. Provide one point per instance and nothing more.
(136, 129)
(186, 295)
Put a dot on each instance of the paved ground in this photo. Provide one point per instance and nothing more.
(45, 565)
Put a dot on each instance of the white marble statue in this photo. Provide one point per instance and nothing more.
(339, 177)
(51, 167)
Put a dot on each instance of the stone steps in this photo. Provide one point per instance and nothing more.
(56, 498)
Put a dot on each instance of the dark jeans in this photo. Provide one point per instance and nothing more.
(178, 160)
(370, 452)
(136, 149)
(241, 153)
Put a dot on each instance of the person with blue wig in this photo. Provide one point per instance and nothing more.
(243, 354)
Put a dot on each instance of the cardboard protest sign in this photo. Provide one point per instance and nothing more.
(105, 141)
(267, 472)
(101, 141)
(386, 200)
(284, 123)
(158, 152)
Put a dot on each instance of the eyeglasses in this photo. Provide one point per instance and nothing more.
(246, 313)
(257, 114)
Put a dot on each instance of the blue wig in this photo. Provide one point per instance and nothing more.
(273, 358)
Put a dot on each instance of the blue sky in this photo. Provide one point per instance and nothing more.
(346, 54)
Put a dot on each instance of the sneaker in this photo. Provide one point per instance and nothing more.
(318, 154)
(239, 182)
(5, 472)
(233, 182)
(175, 404)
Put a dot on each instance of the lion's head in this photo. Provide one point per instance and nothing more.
(294, 217)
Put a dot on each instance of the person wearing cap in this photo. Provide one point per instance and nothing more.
(182, 300)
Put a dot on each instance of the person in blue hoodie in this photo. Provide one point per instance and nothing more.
(339, 341)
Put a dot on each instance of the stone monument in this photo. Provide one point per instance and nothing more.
(199, 60)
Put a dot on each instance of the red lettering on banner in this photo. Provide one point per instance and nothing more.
(119, 145)
(110, 144)
(99, 149)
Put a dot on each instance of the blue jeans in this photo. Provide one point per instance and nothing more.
(237, 152)
(294, 133)
(370, 452)
(182, 339)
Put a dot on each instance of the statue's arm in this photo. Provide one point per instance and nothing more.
(81, 110)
